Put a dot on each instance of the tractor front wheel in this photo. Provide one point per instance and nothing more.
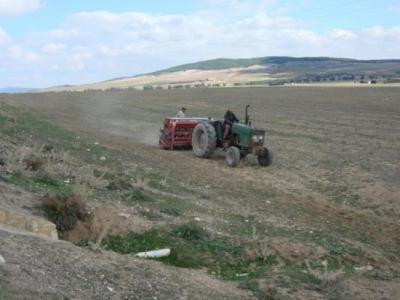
(265, 158)
(232, 156)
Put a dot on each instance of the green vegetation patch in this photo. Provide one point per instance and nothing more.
(136, 195)
(3, 120)
(21, 125)
(177, 206)
(170, 209)
(343, 249)
(135, 242)
(118, 182)
(39, 184)
(193, 247)
(298, 274)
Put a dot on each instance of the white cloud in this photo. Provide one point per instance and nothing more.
(3, 36)
(18, 53)
(237, 7)
(380, 32)
(108, 51)
(15, 51)
(343, 34)
(53, 48)
(11, 8)
(31, 57)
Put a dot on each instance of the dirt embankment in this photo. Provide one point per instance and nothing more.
(37, 268)
(36, 265)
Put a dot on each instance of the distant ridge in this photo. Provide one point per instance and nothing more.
(15, 90)
(258, 71)
(227, 63)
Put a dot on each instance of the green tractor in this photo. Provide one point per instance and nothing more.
(242, 140)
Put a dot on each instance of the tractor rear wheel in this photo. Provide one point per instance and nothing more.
(232, 156)
(204, 140)
(265, 159)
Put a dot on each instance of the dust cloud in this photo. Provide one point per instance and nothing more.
(140, 132)
(111, 114)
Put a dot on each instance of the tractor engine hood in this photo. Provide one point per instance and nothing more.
(249, 137)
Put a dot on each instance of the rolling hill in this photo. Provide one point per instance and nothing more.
(272, 70)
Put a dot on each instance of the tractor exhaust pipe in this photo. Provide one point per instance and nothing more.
(247, 117)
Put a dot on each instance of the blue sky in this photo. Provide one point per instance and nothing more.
(49, 42)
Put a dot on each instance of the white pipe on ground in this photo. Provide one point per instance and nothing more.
(154, 253)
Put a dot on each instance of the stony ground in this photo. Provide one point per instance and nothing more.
(327, 210)
(37, 268)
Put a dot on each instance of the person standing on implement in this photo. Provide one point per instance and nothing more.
(181, 113)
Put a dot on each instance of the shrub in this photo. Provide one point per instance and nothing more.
(22, 159)
(33, 163)
(190, 232)
(136, 196)
(65, 210)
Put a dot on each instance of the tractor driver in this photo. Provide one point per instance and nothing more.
(229, 119)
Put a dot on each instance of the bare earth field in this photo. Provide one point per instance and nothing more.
(326, 212)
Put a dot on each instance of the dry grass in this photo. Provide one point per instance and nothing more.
(85, 174)
(325, 276)
(60, 163)
(263, 250)
(23, 160)
(82, 189)
(33, 159)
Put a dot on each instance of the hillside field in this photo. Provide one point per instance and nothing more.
(259, 71)
(321, 223)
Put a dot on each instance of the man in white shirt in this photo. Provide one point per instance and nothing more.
(181, 113)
